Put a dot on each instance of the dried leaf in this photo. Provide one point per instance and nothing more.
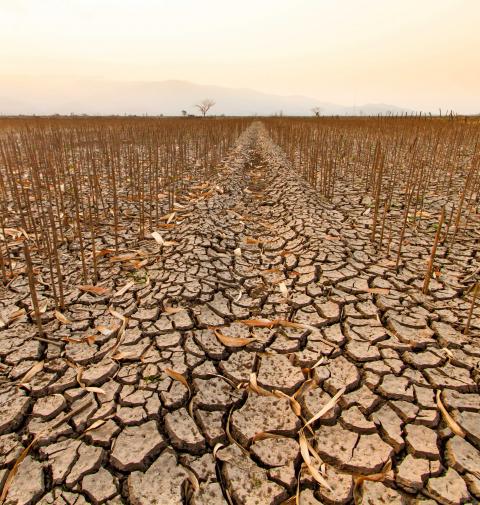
(14, 470)
(271, 271)
(452, 424)
(94, 290)
(62, 318)
(123, 355)
(95, 425)
(229, 435)
(124, 289)
(42, 308)
(105, 330)
(92, 389)
(295, 406)
(304, 450)
(378, 291)
(90, 339)
(328, 406)
(80, 371)
(232, 341)
(104, 252)
(263, 435)
(173, 310)
(116, 314)
(193, 480)
(237, 252)
(321, 361)
(38, 367)
(375, 477)
(123, 257)
(17, 314)
(217, 448)
(257, 323)
(158, 238)
(178, 377)
(253, 386)
(226, 379)
(289, 324)
(283, 289)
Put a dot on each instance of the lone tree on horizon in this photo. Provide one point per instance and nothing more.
(316, 111)
(205, 105)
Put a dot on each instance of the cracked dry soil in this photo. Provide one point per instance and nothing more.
(147, 438)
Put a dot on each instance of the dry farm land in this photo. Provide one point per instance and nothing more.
(228, 311)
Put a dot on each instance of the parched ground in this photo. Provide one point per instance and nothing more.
(199, 385)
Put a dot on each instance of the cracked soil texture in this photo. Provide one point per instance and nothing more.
(114, 424)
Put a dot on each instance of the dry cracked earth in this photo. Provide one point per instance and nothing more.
(112, 421)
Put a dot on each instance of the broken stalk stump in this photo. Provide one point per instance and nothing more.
(428, 273)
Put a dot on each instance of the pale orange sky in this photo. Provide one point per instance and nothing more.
(421, 54)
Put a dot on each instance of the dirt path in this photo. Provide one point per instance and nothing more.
(261, 252)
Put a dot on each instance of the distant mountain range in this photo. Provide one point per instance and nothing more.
(46, 96)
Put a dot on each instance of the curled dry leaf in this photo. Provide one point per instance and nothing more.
(448, 352)
(374, 477)
(178, 377)
(378, 291)
(157, 237)
(232, 341)
(263, 435)
(305, 386)
(116, 314)
(237, 252)
(14, 470)
(321, 361)
(452, 424)
(17, 314)
(328, 406)
(257, 323)
(124, 289)
(104, 252)
(229, 435)
(94, 290)
(290, 501)
(288, 324)
(95, 425)
(226, 379)
(297, 409)
(38, 367)
(305, 452)
(123, 355)
(193, 480)
(283, 289)
(173, 310)
(105, 330)
(123, 257)
(217, 448)
(79, 376)
(60, 317)
(92, 389)
(271, 271)
(253, 386)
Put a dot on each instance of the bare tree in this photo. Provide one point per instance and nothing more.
(205, 105)
(317, 111)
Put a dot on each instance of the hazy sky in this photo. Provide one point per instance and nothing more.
(414, 53)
